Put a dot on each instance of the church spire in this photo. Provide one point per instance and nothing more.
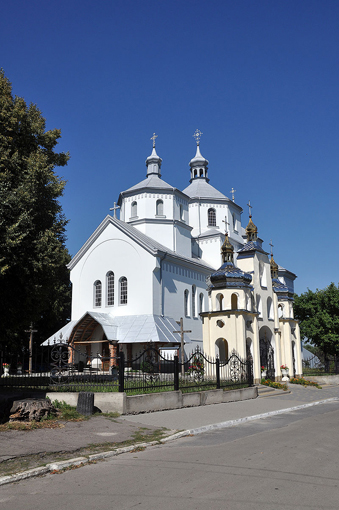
(198, 164)
(251, 229)
(273, 264)
(227, 251)
(153, 162)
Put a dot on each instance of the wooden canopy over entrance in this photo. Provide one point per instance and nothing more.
(83, 331)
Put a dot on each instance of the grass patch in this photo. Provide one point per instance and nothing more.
(19, 464)
(304, 382)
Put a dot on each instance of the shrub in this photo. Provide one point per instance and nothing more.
(304, 382)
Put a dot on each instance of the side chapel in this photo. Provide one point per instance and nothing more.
(139, 274)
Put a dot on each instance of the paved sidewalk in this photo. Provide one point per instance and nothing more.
(79, 438)
(195, 417)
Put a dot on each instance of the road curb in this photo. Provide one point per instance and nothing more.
(78, 461)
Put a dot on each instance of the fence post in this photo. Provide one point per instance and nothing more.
(176, 373)
(121, 372)
(217, 369)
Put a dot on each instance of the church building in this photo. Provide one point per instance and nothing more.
(136, 276)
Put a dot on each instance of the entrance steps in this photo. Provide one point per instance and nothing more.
(267, 391)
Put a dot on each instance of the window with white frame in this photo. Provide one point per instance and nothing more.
(201, 302)
(234, 222)
(110, 288)
(134, 209)
(97, 293)
(186, 304)
(159, 208)
(123, 290)
(212, 221)
(194, 292)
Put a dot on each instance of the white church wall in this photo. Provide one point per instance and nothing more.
(113, 251)
(183, 245)
(177, 279)
(209, 249)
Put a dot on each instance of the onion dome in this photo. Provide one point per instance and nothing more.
(153, 163)
(227, 250)
(251, 231)
(198, 164)
(274, 268)
(228, 275)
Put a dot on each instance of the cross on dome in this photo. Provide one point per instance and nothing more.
(233, 191)
(250, 207)
(154, 138)
(197, 135)
(271, 245)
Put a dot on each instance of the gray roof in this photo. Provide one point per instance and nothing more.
(127, 329)
(152, 181)
(252, 246)
(143, 240)
(199, 188)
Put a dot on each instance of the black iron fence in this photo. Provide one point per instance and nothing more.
(321, 364)
(65, 368)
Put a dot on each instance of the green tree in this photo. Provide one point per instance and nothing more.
(34, 280)
(318, 313)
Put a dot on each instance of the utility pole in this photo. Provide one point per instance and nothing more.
(181, 331)
(30, 349)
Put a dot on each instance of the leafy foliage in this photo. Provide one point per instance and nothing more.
(318, 313)
(34, 279)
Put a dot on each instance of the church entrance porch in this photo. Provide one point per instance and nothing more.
(267, 352)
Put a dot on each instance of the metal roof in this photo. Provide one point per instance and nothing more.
(199, 188)
(123, 329)
(252, 246)
(152, 181)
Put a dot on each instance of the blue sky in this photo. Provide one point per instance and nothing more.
(258, 78)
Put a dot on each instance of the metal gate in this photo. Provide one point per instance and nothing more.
(267, 357)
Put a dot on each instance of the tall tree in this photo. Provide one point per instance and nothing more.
(34, 280)
(318, 313)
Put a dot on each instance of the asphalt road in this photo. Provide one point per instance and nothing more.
(288, 461)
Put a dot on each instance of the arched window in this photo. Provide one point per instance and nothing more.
(195, 173)
(186, 296)
(234, 222)
(221, 349)
(134, 209)
(194, 292)
(123, 290)
(263, 275)
(181, 212)
(201, 172)
(219, 301)
(211, 218)
(259, 305)
(201, 302)
(234, 302)
(110, 288)
(269, 308)
(97, 293)
(281, 311)
(160, 208)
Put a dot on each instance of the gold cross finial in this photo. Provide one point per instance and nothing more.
(271, 245)
(153, 138)
(197, 136)
(250, 207)
(233, 191)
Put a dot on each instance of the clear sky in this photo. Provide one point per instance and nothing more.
(258, 78)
